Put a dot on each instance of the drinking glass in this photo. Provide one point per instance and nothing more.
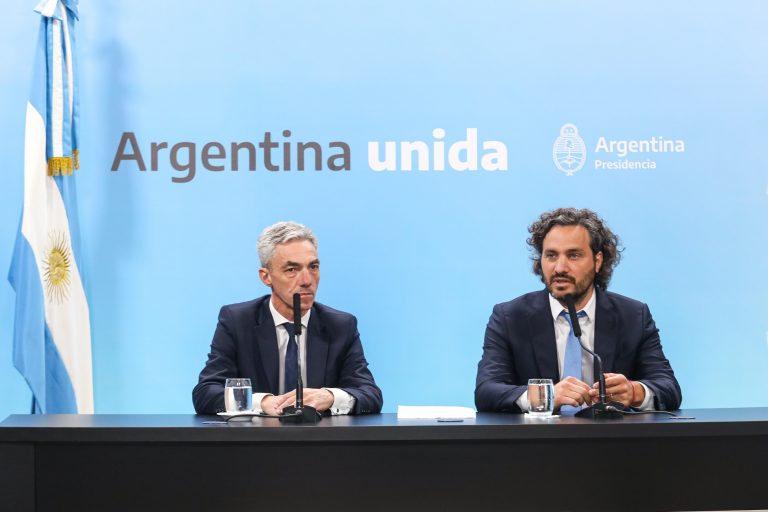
(541, 398)
(237, 395)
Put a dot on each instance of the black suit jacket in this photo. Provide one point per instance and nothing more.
(245, 345)
(520, 345)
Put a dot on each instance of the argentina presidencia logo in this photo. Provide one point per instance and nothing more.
(57, 267)
(569, 152)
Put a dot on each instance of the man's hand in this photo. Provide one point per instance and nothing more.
(619, 388)
(320, 399)
(269, 405)
(571, 391)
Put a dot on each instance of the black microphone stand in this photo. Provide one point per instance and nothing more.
(299, 413)
(603, 409)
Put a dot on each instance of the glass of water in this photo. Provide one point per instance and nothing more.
(541, 398)
(237, 395)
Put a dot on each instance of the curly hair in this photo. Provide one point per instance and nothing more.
(601, 239)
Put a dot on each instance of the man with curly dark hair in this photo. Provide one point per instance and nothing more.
(574, 253)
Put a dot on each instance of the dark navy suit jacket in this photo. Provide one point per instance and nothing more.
(520, 345)
(245, 345)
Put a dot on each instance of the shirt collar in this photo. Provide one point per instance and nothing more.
(280, 319)
(556, 308)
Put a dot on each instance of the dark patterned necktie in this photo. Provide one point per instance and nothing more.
(291, 368)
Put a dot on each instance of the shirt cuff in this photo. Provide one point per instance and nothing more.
(343, 402)
(647, 404)
(257, 398)
(522, 402)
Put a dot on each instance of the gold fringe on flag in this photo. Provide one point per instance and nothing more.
(64, 165)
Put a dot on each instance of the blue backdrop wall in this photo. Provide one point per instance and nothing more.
(669, 100)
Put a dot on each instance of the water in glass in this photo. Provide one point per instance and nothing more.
(541, 397)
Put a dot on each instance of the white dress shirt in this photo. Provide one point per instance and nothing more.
(562, 329)
(343, 402)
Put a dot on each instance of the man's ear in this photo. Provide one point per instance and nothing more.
(265, 276)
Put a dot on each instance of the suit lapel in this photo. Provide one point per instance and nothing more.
(317, 351)
(606, 332)
(542, 336)
(266, 342)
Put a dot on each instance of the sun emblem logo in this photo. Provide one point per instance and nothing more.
(57, 265)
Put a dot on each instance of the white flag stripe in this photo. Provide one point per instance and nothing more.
(47, 7)
(68, 62)
(44, 213)
(34, 218)
(57, 93)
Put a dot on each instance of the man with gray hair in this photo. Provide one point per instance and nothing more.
(254, 339)
(532, 337)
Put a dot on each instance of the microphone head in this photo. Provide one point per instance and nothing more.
(571, 304)
(297, 313)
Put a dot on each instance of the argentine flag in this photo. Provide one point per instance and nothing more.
(52, 335)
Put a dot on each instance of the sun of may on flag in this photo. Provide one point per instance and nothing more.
(52, 335)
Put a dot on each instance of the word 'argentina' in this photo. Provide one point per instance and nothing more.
(462, 154)
(183, 156)
(627, 149)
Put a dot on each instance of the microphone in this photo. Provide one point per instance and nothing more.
(603, 408)
(297, 313)
(300, 413)
(297, 331)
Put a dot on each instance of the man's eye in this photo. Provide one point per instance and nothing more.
(574, 256)
(315, 266)
(290, 270)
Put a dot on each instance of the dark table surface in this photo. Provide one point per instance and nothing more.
(376, 427)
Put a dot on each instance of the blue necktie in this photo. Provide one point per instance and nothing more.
(572, 360)
(291, 368)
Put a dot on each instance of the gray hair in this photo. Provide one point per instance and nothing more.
(281, 233)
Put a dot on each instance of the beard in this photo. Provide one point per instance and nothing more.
(580, 288)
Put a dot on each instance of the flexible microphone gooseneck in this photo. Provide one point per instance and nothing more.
(297, 331)
(603, 408)
(300, 413)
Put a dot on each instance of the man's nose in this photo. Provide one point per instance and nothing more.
(305, 277)
(561, 265)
